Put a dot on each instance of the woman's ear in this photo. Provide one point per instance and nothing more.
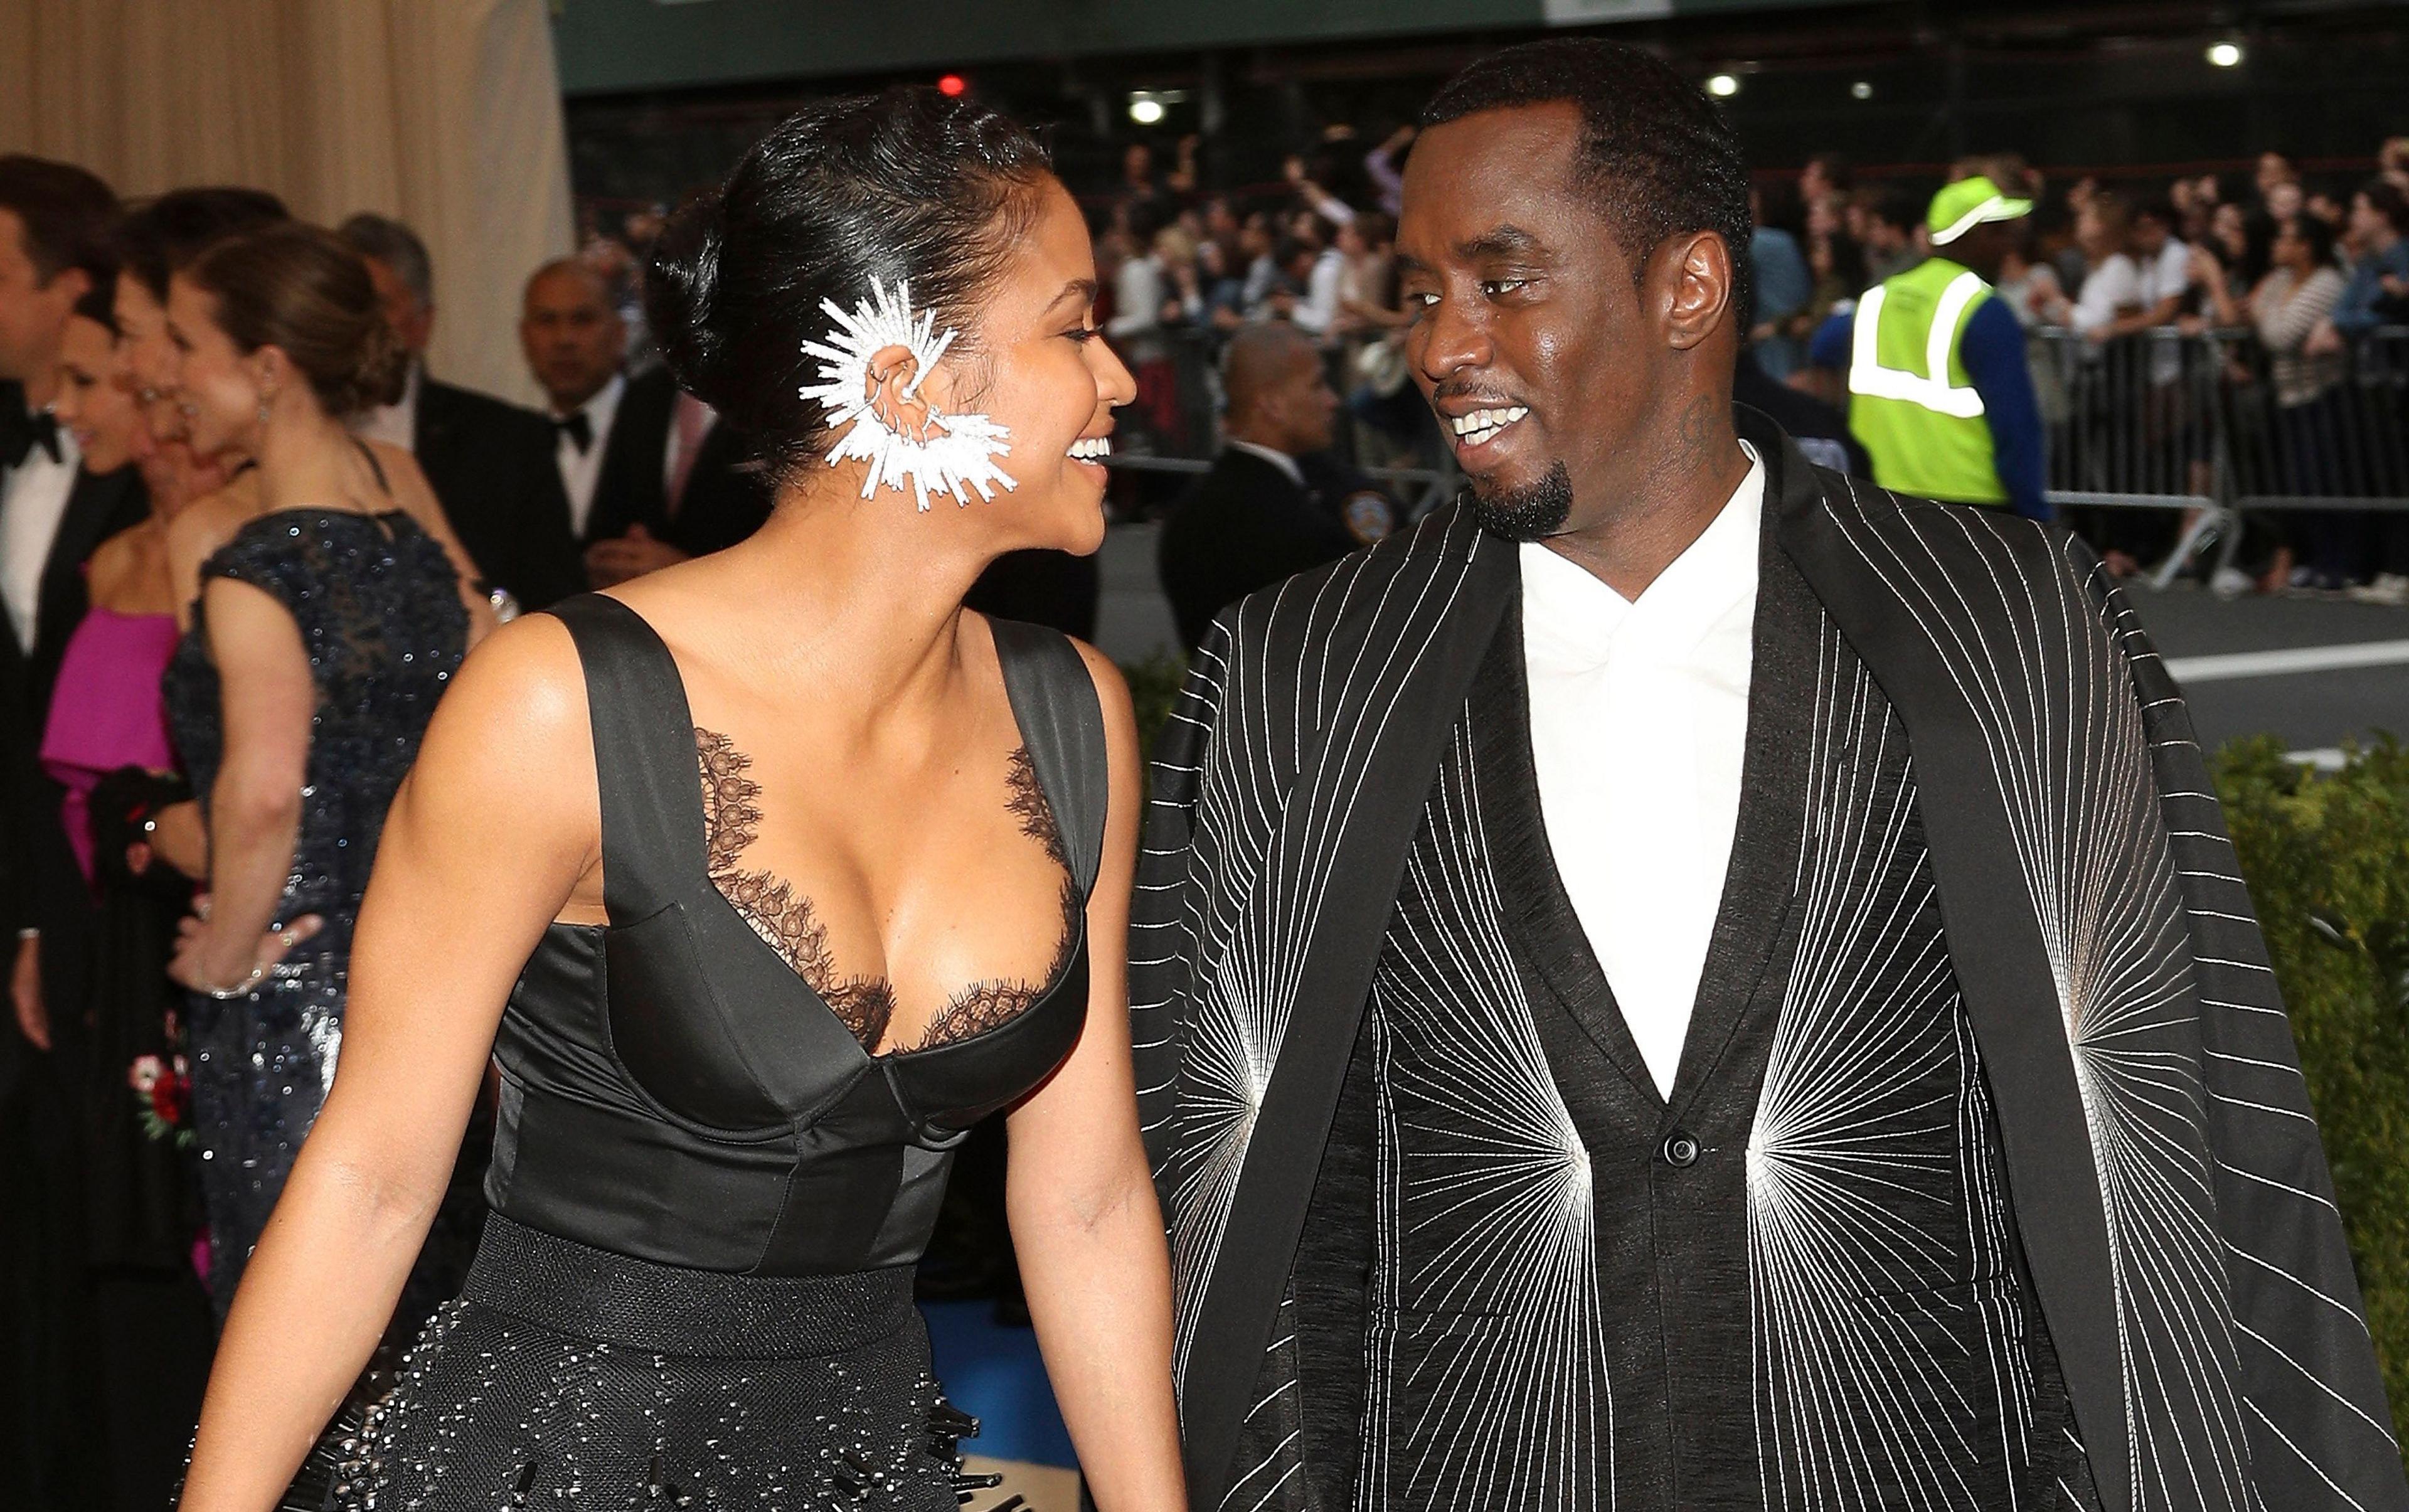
(898, 394)
(271, 368)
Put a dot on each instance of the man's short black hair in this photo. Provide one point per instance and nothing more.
(169, 232)
(1656, 151)
(66, 212)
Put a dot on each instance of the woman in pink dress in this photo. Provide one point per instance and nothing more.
(130, 817)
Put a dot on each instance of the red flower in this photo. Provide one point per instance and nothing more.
(168, 1100)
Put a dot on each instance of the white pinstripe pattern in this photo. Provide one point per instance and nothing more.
(1487, 1312)
(1875, 1316)
(1245, 930)
(2065, 740)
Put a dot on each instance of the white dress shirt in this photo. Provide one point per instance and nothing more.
(395, 423)
(579, 471)
(1638, 723)
(33, 500)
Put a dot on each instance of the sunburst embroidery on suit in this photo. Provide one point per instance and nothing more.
(2066, 744)
(1872, 1202)
(1488, 1314)
(1249, 936)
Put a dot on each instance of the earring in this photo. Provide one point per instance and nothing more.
(951, 453)
(267, 398)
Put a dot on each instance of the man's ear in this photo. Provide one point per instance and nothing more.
(71, 284)
(1695, 274)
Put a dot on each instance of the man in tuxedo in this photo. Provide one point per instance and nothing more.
(1271, 506)
(54, 222)
(650, 475)
(489, 462)
(1687, 980)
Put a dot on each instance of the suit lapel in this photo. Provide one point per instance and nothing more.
(1760, 887)
(2002, 967)
(1343, 835)
(97, 509)
(629, 488)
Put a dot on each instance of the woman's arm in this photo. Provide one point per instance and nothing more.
(267, 698)
(1084, 1216)
(506, 771)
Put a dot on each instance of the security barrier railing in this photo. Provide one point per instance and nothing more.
(2212, 423)
(2207, 423)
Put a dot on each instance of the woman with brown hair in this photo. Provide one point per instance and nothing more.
(326, 630)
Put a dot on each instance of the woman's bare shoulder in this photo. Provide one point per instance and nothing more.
(208, 523)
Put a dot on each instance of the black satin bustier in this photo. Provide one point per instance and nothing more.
(673, 1090)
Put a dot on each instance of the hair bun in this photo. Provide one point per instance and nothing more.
(380, 372)
(682, 296)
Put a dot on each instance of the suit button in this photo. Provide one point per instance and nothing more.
(1679, 1150)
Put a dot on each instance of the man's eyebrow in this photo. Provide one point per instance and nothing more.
(1500, 242)
(1084, 288)
(1407, 262)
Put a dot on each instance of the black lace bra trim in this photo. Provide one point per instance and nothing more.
(785, 920)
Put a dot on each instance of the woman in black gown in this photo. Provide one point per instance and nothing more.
(762, 879)
(326, 630)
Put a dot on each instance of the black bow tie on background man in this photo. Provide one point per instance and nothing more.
(21, 432)
(579, 429)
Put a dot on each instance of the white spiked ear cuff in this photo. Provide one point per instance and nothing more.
(957, 453)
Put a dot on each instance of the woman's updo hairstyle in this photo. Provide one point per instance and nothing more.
(301, 289)
(908, 185)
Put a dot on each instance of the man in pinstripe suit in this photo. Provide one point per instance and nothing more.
(1686, 982)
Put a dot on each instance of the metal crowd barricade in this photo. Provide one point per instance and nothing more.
(2212, 424)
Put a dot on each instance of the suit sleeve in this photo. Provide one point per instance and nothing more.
(1163, 927)
(2321, 1430)
(546, 566)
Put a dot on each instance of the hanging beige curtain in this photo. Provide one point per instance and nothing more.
(442, 113)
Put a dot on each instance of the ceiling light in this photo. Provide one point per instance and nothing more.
(2225, 54)
(1861, 90)
(1723, 86)
(1145, 110)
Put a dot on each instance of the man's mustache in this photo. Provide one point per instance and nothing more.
(1456, 388)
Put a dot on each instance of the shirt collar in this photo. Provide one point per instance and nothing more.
(1573, 621)
(1281, 460)
(598, 410)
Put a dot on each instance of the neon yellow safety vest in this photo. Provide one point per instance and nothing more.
(1910, 400)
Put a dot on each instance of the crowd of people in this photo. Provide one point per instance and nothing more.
(247, 538)
(2276, 298)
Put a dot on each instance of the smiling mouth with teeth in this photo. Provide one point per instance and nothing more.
(1483, 424)
(1092, 448)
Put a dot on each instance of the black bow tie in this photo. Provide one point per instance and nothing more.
(579, 430)
(22, 432)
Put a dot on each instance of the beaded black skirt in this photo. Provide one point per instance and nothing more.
(567, 1377)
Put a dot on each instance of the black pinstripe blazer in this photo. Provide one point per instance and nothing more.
(2165, 1171)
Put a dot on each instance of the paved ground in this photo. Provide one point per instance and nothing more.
(2312, 703)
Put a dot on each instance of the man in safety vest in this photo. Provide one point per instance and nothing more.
(1939, 392)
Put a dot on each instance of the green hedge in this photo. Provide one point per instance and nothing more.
(2326, 857)
(1154, 685)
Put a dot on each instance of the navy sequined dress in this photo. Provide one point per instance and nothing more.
(378, 605)
(709, 1188)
